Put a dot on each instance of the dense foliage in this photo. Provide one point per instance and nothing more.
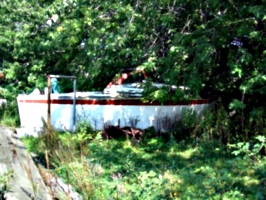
(155, 167)
(212, 45)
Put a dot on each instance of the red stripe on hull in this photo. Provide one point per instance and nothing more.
(128, 102)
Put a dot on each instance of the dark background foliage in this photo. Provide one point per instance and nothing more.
(214, 47)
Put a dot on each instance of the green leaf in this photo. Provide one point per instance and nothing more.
(261, 138)
(236, 104)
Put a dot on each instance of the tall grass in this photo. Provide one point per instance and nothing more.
(198, 166)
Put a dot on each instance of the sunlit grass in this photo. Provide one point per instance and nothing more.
(154, 169)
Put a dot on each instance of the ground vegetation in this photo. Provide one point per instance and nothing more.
(214, 47)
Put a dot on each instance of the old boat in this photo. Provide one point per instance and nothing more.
(64, 111)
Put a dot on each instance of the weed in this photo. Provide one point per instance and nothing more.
(200, 167)
(4, 180)
(28, 170)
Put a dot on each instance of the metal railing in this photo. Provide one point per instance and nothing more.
(73, 127)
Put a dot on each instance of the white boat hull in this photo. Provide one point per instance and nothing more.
(99, 111)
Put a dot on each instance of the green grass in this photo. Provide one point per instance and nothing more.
(154, 169)
(7, 117)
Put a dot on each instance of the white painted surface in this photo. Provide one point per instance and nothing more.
(31, 114)
(145, 116)
(2, 102)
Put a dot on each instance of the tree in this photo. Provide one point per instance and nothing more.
(211, 46)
